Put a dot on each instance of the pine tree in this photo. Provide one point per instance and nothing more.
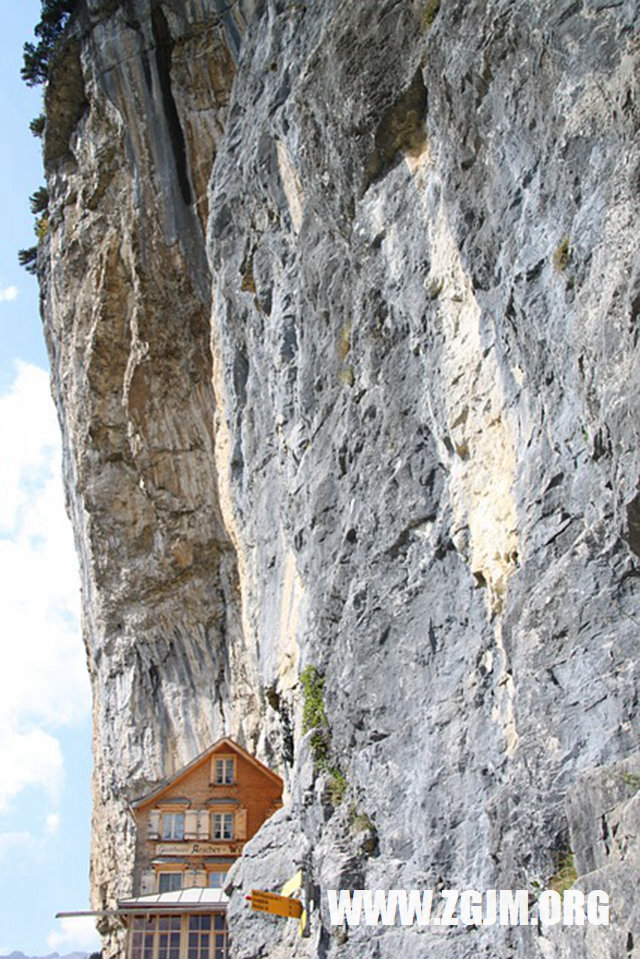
(39, 201)
(37, 125)
(28, 259)
(54, 16)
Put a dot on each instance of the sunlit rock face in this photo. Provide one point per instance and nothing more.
(127, 300)
(342, 301)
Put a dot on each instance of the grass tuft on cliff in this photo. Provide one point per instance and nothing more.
(313, 714)
(429, 13)
(314, 720)
(565, 875)
(561, 255)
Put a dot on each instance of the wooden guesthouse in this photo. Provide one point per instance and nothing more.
(189, 831)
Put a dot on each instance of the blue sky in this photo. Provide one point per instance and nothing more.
(45, 731)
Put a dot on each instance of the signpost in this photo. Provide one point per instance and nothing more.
(285, 904)
(277, 905)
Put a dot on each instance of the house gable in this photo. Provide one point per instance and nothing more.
(192, 772)
(193, 825)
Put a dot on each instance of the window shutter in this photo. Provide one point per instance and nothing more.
(153, 826)
(241, 824)
(191, 824)
(203, 824)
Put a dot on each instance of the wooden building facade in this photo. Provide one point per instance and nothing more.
(189, 831)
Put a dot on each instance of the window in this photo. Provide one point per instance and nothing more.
(224, 772)
(216, 880)
(199, 937)
(207, 931)
(169, 937)
(155, 937)
(220, 936)
(169, 881)
(223, 825)
(161, 937)
(142, 937)
(173, 825)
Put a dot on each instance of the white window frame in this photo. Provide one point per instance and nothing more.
(156, 936)
(173, 875)
(224, 771)
(215, 932)
(172, 826)
(222, 826)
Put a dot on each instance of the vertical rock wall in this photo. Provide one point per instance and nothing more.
(141, 93)
(369, 404)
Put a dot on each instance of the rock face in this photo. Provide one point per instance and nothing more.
(343, 307)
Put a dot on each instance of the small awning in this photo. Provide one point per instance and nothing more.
(180, 900)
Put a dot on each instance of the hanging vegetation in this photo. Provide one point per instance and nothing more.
(54, 17)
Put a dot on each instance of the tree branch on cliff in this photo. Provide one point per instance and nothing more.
(54, 16)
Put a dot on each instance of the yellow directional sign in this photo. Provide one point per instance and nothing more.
(292, 885)
(277, 905)
(295, 885)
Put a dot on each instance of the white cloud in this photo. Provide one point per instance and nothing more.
(43, 682)
(32, 758)
(52, 823)
(11, 842)
(16, 845)
(29, 434)
(8, 293)
(77, 934)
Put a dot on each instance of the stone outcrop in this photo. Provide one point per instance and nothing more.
(342, 303)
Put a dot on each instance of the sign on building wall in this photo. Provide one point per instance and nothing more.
(199, 849)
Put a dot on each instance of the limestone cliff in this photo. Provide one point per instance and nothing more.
(342, 300)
